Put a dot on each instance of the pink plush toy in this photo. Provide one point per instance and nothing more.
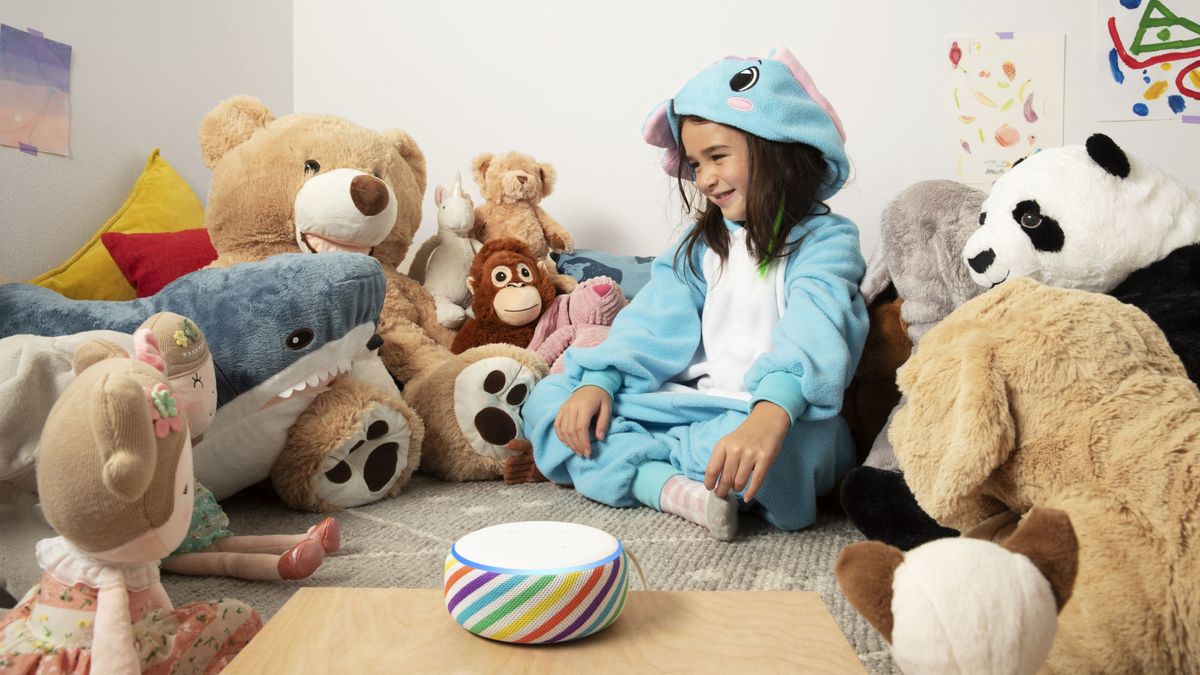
(581, 318)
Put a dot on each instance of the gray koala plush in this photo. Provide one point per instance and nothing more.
(922, 234)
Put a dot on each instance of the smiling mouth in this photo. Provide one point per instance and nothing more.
(721, 196)
(517, 311)
(1001, 281)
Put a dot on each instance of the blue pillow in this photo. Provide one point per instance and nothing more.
(631, 271)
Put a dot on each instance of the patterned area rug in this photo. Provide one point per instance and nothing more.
(403, 542)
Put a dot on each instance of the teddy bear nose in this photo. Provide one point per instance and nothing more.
(369, 194)
(602, 289)
(522, 179)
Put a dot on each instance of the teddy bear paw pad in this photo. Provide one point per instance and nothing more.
(488, 395)
(368, 462)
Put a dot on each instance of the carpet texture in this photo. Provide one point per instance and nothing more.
(403, 542)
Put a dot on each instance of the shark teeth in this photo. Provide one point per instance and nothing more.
(317, 379)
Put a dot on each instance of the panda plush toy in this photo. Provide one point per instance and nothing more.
(1089, 217)
(1096, 218)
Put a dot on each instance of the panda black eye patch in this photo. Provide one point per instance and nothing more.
(1044, 232)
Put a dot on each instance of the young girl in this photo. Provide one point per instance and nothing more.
(724, 376)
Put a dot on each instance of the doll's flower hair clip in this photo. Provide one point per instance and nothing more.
(164, 412)
(187, 333)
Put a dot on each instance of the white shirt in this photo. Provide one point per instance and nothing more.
(741, 308)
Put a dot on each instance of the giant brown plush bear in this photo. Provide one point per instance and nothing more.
(1031, 396)
(315, 183)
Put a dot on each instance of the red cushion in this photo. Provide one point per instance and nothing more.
(151, 260)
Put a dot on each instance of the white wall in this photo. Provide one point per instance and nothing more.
(142, 76)
(571, 84)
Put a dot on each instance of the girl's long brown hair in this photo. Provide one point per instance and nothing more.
(788, 173)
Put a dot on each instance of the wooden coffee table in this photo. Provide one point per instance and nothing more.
(361, 630)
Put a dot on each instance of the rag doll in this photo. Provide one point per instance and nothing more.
(115, 478)
(176, 345)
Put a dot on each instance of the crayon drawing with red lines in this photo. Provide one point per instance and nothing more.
(1148, 60)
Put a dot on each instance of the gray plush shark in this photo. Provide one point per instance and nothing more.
(278, 330)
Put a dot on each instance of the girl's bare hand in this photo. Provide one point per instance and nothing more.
(574, 420)
(747, 453)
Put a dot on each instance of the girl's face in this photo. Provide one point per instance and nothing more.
(720, 158)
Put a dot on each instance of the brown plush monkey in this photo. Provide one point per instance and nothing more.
(509, 291)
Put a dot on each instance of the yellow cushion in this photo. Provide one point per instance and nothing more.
(161, 201)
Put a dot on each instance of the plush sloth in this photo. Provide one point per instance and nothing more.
(510, 289)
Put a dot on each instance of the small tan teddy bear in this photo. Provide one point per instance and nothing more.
(512, 185)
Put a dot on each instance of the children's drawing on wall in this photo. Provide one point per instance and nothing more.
(1006, 96)
(35, 111)
(1149, 60)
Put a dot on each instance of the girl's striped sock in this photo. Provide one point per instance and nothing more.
(690, 500)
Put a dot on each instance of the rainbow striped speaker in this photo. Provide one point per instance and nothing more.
(536, 582)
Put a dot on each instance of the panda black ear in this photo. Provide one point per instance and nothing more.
(1108, 155)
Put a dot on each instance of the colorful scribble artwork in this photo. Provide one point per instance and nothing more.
(35, 106)
(1148, 59)
(1006, 96)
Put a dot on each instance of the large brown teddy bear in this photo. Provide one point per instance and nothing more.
(342, 188)
(1031, 396)
(512, 185)
(315, 183)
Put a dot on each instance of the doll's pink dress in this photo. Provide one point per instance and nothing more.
(50, 631)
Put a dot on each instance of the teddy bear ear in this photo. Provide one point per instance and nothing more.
(92, 352)
(124, 434)
(230, 124)
(409, 151)
(1047, 538)
(479, 167)
(549, 178)
(865, 571)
